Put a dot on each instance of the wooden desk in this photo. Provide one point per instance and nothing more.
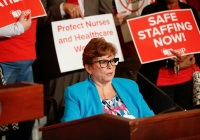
(184, 124)
(20, 102)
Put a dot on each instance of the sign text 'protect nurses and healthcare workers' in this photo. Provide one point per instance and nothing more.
(72, 35)
(10, 10)
(154, 35)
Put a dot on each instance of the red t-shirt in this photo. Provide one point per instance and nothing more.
(167, 77)
(21, 47)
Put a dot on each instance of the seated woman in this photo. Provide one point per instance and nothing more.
(100, 92)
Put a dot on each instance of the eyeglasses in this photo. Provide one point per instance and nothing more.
(104, 63)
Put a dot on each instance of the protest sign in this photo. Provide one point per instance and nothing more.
(10, 10)
(72, 35)
(164, 31)
(133, 9)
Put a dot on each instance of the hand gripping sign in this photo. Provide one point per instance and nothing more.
(133, 8)
(164, 31)
(10, 10)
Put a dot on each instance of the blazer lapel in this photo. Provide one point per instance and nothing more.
(123, 96)
(96, 98)
(119, 91)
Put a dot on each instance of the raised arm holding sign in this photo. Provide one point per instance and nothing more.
(17, 54)
(17, 28)
(167, 33)
(11, 10)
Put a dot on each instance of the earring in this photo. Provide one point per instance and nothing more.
(90, 76)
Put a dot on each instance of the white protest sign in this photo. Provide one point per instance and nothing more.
(71, 37)
(133, 9)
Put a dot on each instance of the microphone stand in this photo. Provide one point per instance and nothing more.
(175, 107)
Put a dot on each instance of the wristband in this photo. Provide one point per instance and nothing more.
(176, 67)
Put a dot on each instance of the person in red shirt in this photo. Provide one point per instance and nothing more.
(16, 58)
(17, 55)
(173, 76)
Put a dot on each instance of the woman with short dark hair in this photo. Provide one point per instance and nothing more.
(100, 92)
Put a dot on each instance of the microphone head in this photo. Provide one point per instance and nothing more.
(129, 72)
(175, 108)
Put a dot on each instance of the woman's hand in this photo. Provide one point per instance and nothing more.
(73, 10)
(186, 61)
(26, 22)
(120, 18)
(178, 57)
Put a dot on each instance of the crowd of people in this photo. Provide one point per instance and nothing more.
(105, 85)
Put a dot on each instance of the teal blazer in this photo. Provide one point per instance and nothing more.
(82, 99)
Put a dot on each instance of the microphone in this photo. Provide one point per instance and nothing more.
(175, 107)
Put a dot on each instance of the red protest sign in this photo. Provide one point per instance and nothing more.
(11, 9)
(156, 34)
